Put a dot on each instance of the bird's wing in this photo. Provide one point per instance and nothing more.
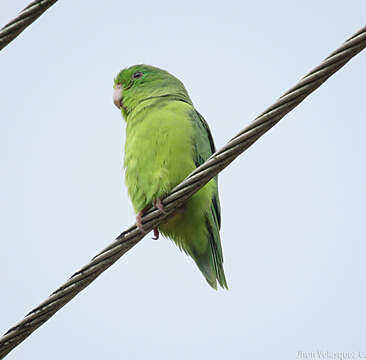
(204, 147)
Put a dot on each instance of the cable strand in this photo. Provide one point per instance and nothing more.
(26, 17)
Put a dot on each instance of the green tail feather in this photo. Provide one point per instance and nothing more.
(210, 262)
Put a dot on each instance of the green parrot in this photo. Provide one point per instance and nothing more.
(166, 139)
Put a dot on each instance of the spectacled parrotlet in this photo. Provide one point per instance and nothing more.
(166, 139)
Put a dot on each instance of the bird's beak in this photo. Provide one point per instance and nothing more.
(117, 95)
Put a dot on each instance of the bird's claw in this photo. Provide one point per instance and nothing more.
(159, 205)
(139, 216)
(156, 234)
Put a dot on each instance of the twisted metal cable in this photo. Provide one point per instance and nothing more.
(29, 14)
(198, 178)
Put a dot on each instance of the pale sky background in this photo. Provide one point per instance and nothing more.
(293, 206)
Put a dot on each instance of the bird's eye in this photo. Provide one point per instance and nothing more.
(137, 74)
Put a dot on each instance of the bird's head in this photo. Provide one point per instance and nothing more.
(142, 82)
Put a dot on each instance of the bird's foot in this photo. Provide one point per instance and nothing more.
(156, 234)
(159, 205)
(139, 216)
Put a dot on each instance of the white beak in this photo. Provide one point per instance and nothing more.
(117, 95)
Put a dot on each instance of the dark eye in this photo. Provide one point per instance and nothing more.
(137, 74)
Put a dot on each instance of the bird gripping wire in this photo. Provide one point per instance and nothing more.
(197, 179)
